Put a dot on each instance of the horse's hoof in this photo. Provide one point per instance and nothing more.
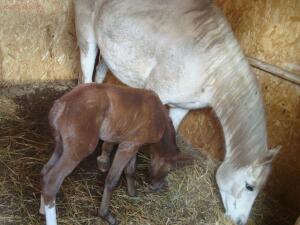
(103, 166)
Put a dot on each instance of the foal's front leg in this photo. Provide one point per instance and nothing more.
(129, 172)
(124, 154)
(103, 160)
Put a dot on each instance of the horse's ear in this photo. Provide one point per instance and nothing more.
(181, 160)
(270, 155)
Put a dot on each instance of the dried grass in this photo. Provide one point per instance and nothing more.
(26, 144)
(37, 41)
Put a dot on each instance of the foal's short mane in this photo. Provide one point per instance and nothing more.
(167, 145)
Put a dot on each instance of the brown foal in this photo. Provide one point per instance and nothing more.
(117, 115)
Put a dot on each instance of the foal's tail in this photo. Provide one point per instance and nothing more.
(54, 116)
(55, 113)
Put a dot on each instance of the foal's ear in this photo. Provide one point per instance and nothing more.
(181, 160)
(270, 155)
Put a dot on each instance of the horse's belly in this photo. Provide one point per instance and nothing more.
(126, 51)
(126, 64)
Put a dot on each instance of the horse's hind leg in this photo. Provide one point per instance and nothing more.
(129, 172)
(103, 160)
(123, 155)
(86, 40)
(101, 71)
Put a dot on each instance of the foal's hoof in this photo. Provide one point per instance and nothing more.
(103, 165)
(42, 206)
(159, 188)
(108, 218)
(42, 211)
(132, 193)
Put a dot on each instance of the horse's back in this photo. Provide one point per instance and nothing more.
(168, 46)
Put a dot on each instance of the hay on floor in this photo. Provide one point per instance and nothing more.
(26, 144)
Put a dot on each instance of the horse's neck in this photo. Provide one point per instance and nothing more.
(241, 113)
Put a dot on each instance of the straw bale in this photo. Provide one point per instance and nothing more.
(38, 41)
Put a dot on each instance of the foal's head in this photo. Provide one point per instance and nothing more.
(239, 187)
(165, 157)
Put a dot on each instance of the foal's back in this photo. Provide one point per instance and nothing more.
(133, 115)
(111, 113)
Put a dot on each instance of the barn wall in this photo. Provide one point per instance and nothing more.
(38, 43)
(268, 30)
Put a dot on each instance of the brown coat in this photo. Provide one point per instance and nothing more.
(125, 116)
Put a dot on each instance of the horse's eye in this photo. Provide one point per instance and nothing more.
(249, 187)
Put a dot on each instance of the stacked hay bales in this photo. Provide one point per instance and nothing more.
(38, 41)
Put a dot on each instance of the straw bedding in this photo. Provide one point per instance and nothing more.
(26, 144)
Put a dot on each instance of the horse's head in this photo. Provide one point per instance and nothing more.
(239, 187)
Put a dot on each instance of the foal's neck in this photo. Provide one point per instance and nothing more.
(167, 147)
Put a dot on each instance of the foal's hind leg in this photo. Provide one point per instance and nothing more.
(55, 156)
(123, 155)
(51, 183)
(103, 160)
(129, 172)
(73, 152)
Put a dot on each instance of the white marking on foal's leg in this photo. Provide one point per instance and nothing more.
(42, 206)
(177, 115)
(101, 72)
(87, 60)
(50, 212)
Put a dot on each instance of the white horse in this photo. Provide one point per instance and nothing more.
(186, 52)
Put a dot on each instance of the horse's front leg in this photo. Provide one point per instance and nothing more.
(177, 115)
(124, 154)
